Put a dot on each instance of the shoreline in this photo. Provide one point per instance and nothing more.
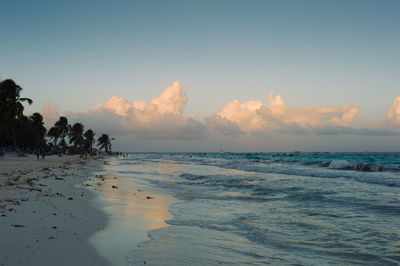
(46, 217)
(134, 209)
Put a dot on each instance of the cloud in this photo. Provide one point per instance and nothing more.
(256, 116)
(253, 125)
(224, 126)
(172, 101)
(50, 114)
(162, 118)
(365, 131)
(393, 115)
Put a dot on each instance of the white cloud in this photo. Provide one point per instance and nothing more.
(171, 101)
(119, 106)
(162, 118)
(393, 116)
(254, 125)
(256, 116)
(50, 114)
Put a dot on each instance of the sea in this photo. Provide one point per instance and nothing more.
(298, 208)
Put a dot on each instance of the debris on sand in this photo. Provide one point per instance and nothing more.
(29, 181)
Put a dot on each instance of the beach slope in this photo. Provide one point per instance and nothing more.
(45, 218)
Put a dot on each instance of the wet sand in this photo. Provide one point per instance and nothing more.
(134, 210)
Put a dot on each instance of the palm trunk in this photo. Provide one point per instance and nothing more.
(14, 138)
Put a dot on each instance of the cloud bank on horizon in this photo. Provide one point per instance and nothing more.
(163, 118)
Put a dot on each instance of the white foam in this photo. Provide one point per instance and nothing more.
(340, 164)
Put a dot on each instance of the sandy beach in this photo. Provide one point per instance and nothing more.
(45, 218)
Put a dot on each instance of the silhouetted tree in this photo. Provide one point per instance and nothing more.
(89, 139)
(11, 109)
(53, 134)
(105, 142)
(38, 130)
(63, 127)
(76, 135)
(28, 132)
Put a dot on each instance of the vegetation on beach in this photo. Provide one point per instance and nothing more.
(22, 133)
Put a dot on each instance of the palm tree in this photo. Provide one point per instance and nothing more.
(63, 144)
(105, 142)
(24, 134)
(89, 139)
(11, 108)
(63, 127)
(54, 134)
(37, 129)
(59, 130)
(76, 135)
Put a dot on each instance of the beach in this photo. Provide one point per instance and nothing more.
(70, 211)
(45, 218)
(201, 209)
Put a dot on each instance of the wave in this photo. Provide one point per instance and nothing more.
(364, 162)
(377, 178)
(365, 167)
(275, 204)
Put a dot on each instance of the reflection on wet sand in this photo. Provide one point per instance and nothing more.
(134, 209)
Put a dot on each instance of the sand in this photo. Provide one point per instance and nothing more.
(134, 209)
(45, 218)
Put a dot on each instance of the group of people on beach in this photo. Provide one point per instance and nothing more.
(39, 152)
(121, 155)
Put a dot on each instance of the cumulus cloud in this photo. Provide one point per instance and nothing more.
(162, 118)
(252, 122)
(393, 116)
(256, 116)
(171, 101)
(50, 114)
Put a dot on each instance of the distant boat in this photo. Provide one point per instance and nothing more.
(224, 152)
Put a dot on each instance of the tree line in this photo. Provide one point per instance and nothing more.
(22, 133)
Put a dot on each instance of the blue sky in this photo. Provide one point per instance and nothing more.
(313, 53)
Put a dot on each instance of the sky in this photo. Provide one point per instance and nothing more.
(256, 75)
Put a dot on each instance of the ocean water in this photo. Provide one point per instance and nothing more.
(272, 208)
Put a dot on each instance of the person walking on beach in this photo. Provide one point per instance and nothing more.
(2, 154)
(38, 154)
(43, 152)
